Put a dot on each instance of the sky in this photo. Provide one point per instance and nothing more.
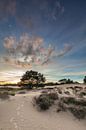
(48, 36)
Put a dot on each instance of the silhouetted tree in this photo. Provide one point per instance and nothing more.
(84, 79)
(66, 81)
(63, 81)
(33, 78)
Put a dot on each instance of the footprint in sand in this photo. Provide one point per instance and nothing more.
(22, 119)
(18, 108)
(15, 125)
(12, 119)
(22, 105)
(18, 113)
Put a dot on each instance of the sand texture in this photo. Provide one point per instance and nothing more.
(19, 113)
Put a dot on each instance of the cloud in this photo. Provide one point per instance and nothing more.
(25, 20)
(57, 54)
(8, 42)
(25, 51)
(7, 7)
(58, 9)
(11, 76)
(48, 55)
(30, 50)
(52, 12)
(66, 49)
(82, 73)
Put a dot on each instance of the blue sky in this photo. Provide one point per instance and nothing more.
(44, 35)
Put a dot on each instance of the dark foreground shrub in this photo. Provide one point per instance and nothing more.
(61, 107)
(44, 102)
(12, 93)
(74, 101)
(22, 92)
(79, 113)
(68, 100)
(4, 95)
(53, 96)
(82, 94)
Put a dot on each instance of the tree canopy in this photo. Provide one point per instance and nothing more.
(66, 81)
(84, 80)
(33, 77)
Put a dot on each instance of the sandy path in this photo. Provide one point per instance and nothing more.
(19, 114)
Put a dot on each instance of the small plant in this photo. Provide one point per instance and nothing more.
(53, 96)
(44, 101)
(61, 106)
(22, 92)
(82, 94)
(84, 80)
(12, 93)
(79, 113)
(4, 95)
(74, 101)
(68, 100)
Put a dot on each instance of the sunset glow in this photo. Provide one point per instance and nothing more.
(48, 36)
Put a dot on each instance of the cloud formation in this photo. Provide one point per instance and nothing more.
(46, 9)
(10, 76)
(57, 10)
(7, 7)
(52, 12)
(25, 20)
(30, 50)
(66, 49)
(24, 52)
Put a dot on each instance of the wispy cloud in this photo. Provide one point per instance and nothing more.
(53, 12)
(30, 50)
(67, 48)
(75, 73)
(10, 76)
(12, 8)
(58, 9)
(7, 7)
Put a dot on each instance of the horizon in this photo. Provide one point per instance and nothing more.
(48, 36)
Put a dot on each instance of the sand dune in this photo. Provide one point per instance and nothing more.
(19, 113)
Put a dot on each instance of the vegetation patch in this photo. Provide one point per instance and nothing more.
(53, 95)
(74, 101)
(45, 100)
(78, 112)
(4, 95)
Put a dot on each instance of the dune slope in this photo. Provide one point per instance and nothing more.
(19, 113)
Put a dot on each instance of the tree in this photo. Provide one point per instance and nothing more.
(84, 80)
(63, 81)
(33, 78)
(66, 81)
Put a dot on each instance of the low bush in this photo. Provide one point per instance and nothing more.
(44, 102)
(4, 95)
(79, 113)
(82, 94)
(22, 92)
(61, 106)
(12, 93)
(74, 101)
(68, 100)
(53, 96)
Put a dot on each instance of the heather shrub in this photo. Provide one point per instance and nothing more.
(53, 96)
(4, 95)
(44, 101)
(78, 112)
